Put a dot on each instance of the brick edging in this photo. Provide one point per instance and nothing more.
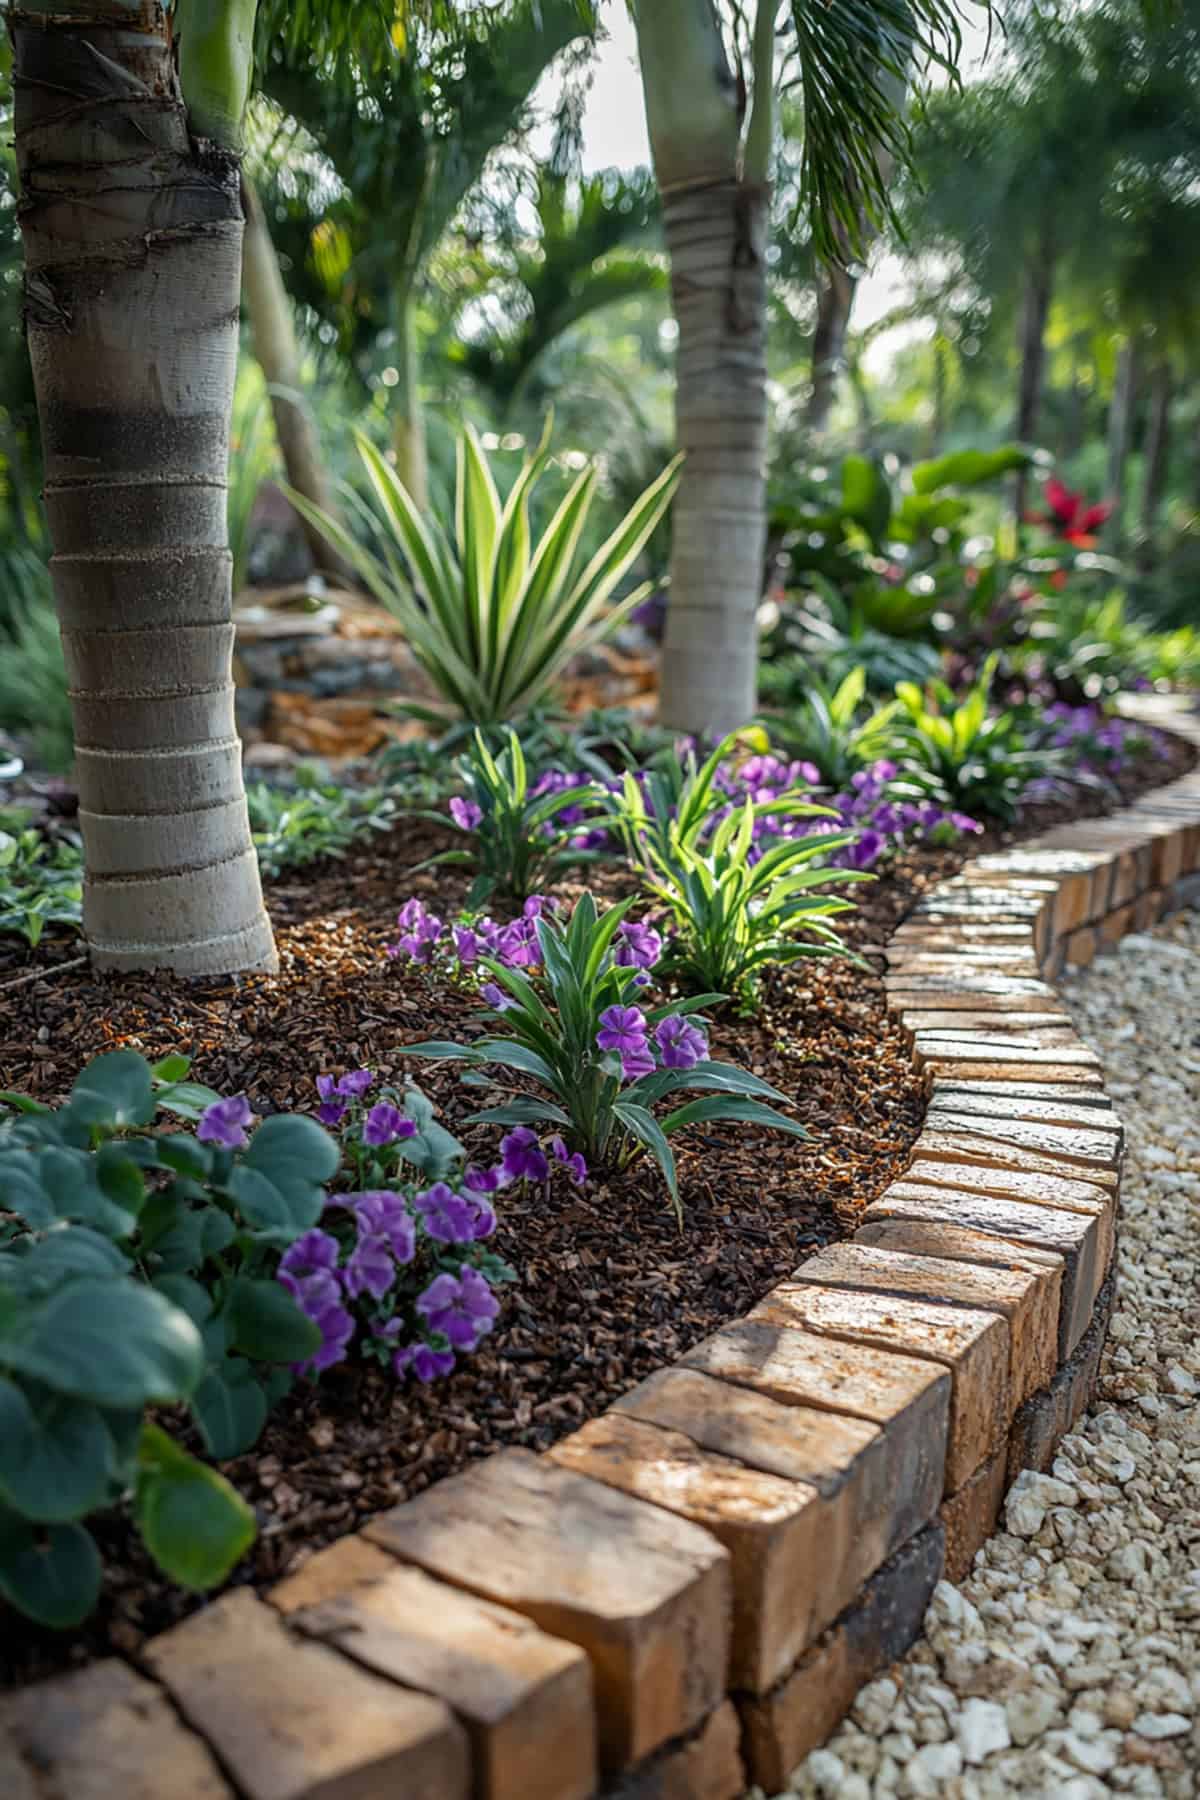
(686, 1594)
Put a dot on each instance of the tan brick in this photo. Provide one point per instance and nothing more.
(292, 1720)
(1037, 1188)
(524, 1698)
(969, 991)
(1148, 909)
(949, 934)
(935, 1145)
(943, 1051)
(1097, 1102)
(913, 965)
(1077, 1238)
(1026, 1297)
(1080, 947)
(1041, 1065)
(1084, 1145)
(705, 1766)
(972, 1344)
(802, 1544)
(981, 1100)
(99, 1734)
(951, 1024)
(797, 1716)
(1040, 1424)
(654, 1620)
(773, 1529)
(970, 1516)
(908, 1398)
(1115, 925)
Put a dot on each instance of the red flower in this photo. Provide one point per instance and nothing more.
(1070, 517)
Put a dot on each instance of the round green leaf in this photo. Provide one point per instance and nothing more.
(266, 1323)
(276, 1213)
(115, 1090)
(288, 1147)
(195, 1525)
(54, 1456)
(230, 1408)
(67, 1251)
(113, 1342)
(55, 1582)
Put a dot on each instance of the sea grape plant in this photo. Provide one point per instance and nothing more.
(515, 832)
(491, 615)
(739, 876)
(574, 1024)
(136, 1271)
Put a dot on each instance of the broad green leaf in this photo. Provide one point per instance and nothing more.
(194, 1524)
(113, 1342)
(642, 1125)
(187, 1098)
(171, 1068)
(115, 1090)
(277, 1214)
(731, 1107)
(265, 1323)
(230, 1408)
(289, 1147)
(52, 1577)
(54, 1454)
(521, 1112)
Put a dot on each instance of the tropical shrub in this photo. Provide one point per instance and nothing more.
(136, 1271)
(516, 834)
(961, 754)
(33, 675)
(571, 1023)
(739, 876)
(491, 616)
(297, 825)
(41, 878)
(826, 729)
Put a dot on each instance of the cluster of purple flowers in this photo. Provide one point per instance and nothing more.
(559, 781)
(624, 1030)
(1100, 742)
(225, 1124)
(424, 935)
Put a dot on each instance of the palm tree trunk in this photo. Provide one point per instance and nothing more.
(1158, 443)
(270, 314)
(1035, 310)
(835, 299)
(1120, 429)
(714, 223)
(132, 233)
(408, 415)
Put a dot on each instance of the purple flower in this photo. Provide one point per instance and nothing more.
(311, 1253)
(638, 946)
(385, 1124)
(462, 1310)
(385, 1214)
(867, 848)
(517, 944)
(332, 1110)
(336, 1326)
(354, 1085)
(307, 1270)
(622, 1028)
(467, 943)
(638, 1061)
(522, 1155)
(425, 1362)
(225, 1122)
(448, 1217)
(495, 996)
(681, 1042)
(484, 1181)
(575, 1166)
(420, 931)
(370, 1268)
(465, 813)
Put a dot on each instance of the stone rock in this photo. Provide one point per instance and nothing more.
(981, 1729)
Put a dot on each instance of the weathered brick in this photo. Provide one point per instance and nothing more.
(1094, 1099)
(1044, 1420)
(1148, 909)
(972, 1344)
(292, 1720)
(1037, 1106)
(967, 991)
(963, 1147)
(781, 1727)
(654, 1620)
(1078, 1238)
(101, 1733)
(1034, 1186)
(950, 934)
(1030, 1065)
(943, 1052)
(1116, 924)
(1079, 948)
(705, 1766)
(524, 1698)
(953, 1024)
(969, 1517)
(802, 1543)
(1087, 1146)
(1026, 1299)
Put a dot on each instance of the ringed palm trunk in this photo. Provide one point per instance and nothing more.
(714, 199)
(274, 332)
(835, 299)
(1035, 310)
(408, 415)
(132, 232)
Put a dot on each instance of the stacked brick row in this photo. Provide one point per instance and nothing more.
(685, 1595)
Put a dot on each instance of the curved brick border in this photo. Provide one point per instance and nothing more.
(687, 1593)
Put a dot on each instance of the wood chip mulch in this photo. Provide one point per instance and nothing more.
(609, 1287)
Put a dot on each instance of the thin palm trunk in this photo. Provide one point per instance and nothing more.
(714, 193)
(1035, 310)
(1158, 444)
(408, 414)
(1120, 430)
(132, 231)
(835, 300)
(273, 329)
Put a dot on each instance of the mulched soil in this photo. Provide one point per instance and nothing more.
(609, 1287)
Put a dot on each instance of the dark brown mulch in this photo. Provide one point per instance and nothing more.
(609, 1288)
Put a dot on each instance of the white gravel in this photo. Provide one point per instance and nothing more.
(1067, 1665)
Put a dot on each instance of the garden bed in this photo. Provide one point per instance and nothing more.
(608, 1289)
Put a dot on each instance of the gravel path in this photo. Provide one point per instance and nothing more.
(1068, 1665)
